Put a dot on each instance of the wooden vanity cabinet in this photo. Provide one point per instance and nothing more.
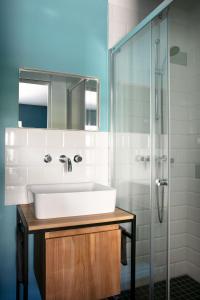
(78, 264)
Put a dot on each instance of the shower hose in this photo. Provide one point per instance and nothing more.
(160, 206)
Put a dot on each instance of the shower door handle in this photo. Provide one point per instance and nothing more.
(161, 182)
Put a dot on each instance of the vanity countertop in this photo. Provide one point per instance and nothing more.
(32, 224)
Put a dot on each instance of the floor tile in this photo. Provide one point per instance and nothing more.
(181, 288)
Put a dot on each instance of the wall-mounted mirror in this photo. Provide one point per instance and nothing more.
(57, 100)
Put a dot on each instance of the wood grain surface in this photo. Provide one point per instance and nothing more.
(33, 224)
(85, 267)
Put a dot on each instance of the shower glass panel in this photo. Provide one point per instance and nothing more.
(156, 149)
(131, 144)
(159, 157)
(140, 151)
(184, 48)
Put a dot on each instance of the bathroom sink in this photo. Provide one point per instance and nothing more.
(71, 199)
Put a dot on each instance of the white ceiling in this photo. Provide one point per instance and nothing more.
(33, 94)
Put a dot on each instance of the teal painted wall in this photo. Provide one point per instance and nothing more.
(63, 36)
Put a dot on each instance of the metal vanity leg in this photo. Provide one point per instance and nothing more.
(17, 257)
(21, 258)
(133, 255)
(25, 264)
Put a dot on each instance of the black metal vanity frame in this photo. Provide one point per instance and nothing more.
(22, 246)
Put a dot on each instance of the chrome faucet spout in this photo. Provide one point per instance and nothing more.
(66, 160)
(69, 165)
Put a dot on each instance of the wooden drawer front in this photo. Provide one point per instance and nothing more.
(85, 267)
(70, 232)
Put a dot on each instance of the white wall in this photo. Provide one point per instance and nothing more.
(124, 15)
(193, 217)
(185, 143)
(121, 19)
(25, 150)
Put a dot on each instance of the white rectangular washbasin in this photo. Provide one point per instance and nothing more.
(71, 199)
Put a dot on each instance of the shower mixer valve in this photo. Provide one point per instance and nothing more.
(161, 158)
(142, 158)
(161, 182)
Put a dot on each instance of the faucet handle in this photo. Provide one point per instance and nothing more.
(63, 158)
(47, 158)
(78, 158)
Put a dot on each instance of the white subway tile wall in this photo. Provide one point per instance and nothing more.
(124, 15)
(122, 18)
(24, 159)
(132, 179)
(185, 143)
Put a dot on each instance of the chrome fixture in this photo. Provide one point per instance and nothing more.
(66, 160)
(143, 158)
(174, 50)
(160, 206)
(172, 160)
(178, 57)
(161, 182)
(47, 158)
(161, 158)
(63, 158)
(78, 158)
(159, 117)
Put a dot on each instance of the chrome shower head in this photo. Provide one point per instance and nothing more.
(174, 50)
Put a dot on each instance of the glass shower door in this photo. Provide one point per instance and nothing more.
(140, 151)
(159, 158)
(131, 146)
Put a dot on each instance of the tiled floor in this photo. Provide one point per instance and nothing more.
(182, 288)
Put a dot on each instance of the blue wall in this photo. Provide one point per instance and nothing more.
(64, 36)
(33, 116)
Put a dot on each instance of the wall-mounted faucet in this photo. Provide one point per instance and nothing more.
(78, 158)
(66, 160)
(47, 158)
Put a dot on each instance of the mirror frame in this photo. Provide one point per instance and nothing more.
(61, 74)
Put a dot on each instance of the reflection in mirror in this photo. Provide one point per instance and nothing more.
(56, 100)
(33, 101)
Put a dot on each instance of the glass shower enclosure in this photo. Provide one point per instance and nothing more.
(140, 145)
(149, 119)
